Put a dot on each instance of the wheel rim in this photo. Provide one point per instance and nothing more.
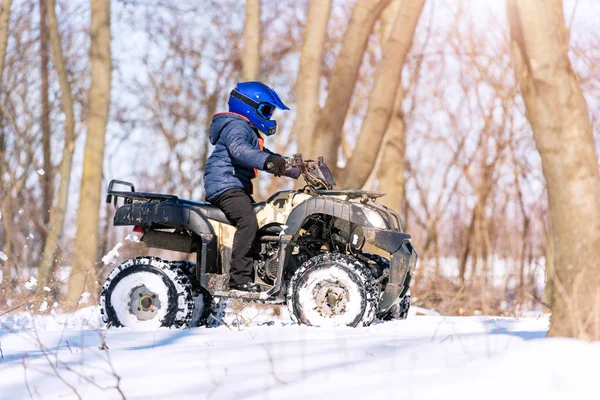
(144, 303)
(331, 298)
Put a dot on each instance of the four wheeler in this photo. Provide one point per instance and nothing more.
(314, 250)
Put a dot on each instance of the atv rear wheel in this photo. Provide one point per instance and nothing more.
(331, 290)
(203, 301)
(146, 292)
(208, 311)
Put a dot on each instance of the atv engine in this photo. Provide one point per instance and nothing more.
(265, 250)
(265, 261)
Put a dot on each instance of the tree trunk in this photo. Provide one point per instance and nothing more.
(462, 269)
(57, 215)
(383, 94)
(386, 23)
(549, 264)
(328, 129)
(390, 171)
(211, 109)
(46, 178)
(7, 220)
(562, 131)
(309, 74)
(252, 35)
(4, 21)
(524, 234)
(523, 263)
(388, 16)
(86, 241)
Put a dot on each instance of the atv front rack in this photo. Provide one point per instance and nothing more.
(351, 194)
(130, 196)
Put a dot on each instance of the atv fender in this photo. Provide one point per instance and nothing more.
(402, 263)
(403, 257)
(345, 210)
(174, 215)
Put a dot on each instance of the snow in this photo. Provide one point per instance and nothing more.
(3, 256)
(112, 255)
(31, 284)
(41, 171)
(43, 306)
(132, 238)
(85, 319)
(85, 298)
(262, 356)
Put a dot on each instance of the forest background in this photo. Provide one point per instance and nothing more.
(427, 101)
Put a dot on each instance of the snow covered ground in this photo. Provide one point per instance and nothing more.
(262, 356)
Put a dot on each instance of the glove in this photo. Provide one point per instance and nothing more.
(275, 165)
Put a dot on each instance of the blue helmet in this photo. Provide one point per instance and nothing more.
(257, 102)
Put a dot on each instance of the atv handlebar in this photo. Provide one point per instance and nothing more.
(316, 173)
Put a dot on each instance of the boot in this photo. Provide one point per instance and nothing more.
(245, 287)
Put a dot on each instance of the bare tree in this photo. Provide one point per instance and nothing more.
(57, 215)
(86, 241)
(390, 166)
(252, 39)
(309, 73)
(386, 22)
(381, 100)
(46, 177)
(562, 131)
(4, 31)
(4, 21)
(328, 130)
(549, 260)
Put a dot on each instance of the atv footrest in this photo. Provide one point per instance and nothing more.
(218, 286)
(262, 297)
(215, 283)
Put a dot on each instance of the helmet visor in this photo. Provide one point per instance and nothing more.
(265, 110)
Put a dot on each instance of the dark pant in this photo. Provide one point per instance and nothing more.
(237, 206)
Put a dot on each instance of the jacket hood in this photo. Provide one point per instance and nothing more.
(218, 123)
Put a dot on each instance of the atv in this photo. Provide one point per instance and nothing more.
(315, 250)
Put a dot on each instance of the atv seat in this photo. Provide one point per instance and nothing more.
(213, 212)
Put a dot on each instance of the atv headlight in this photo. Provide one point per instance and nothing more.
(374, 218)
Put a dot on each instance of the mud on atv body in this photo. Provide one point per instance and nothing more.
(295, 227)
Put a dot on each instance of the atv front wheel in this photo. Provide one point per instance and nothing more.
(146, 292)
(331, 290)
(397, 311)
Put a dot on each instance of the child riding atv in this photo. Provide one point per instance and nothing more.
(238, 156)
(312, 249)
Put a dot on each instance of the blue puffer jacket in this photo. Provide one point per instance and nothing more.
(236, 154)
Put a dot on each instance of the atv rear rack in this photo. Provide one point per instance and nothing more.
(129, 197)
